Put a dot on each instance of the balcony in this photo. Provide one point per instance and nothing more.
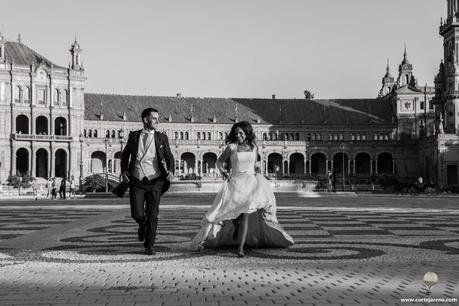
(16, 136)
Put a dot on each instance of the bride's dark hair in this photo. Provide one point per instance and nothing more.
(248, 130)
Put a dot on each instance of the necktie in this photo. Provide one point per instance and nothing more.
(145, 140)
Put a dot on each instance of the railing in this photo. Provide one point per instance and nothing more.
(288, 143)
(17, 136)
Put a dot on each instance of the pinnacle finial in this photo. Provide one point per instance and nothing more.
(19, 38)
(387, 67)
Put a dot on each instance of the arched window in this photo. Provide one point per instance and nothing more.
(297, 136)
(107, 134)
(176, 135)
(57, 97)
(26, 95)
(181, 135)
(203, 135)
(209, 135)
(17, 94)
(90, 133)
(187, 136)
(113, 134)
(95, 133)
(264, 136)
(198, 135)
(41, 96)
(64, 97)
(84, 133)
(221, 135)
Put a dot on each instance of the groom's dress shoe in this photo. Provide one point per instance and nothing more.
(141, 232)
(149, 251)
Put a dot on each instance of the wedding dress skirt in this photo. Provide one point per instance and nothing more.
(244, 193)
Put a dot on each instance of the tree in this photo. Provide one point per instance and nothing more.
(20, 181)
(94, 182)
(308, 95)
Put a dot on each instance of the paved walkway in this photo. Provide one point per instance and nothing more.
(348, 251)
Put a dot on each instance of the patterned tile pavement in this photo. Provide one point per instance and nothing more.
(348, 251)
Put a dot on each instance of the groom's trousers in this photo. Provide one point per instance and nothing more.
(145, 196)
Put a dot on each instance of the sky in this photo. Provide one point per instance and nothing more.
(237, 48)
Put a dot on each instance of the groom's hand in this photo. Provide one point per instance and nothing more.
(125, 177)
(170, 176)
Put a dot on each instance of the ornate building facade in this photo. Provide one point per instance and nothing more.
(51, 127)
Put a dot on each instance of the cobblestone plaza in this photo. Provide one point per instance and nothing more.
(349, 250)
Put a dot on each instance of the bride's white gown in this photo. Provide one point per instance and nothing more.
(247, 193)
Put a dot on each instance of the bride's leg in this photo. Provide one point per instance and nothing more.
(243, 233)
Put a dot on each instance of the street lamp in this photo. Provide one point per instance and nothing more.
(342, 156)
(81, 139)
(106, 140)
(121, 136)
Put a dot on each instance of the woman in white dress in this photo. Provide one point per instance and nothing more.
(244, 210)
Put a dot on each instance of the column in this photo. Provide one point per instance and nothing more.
(287, 171)
(326, 166)
(32, 159)
(353, 166)
(310, 166)
(13, 160)
(393, 166)
(371, 166)
(196, 165)
(265, 165)
(348, 166)
(69, 162)
(305, 166)
(52, 160)
(376, 166)
(31, 122)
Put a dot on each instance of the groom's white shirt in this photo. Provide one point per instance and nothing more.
(146, 164)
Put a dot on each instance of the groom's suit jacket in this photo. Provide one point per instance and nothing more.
(163, 154)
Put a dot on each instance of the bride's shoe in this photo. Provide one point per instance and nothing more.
(240, 254)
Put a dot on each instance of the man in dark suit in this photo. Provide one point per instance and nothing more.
(147, 164)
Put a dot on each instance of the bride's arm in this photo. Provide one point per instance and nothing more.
(257, 166)
(221, 159)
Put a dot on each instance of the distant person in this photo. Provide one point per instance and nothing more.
(420, 184)
(53, 189)
(49, 188)
(62, 188)
(34, 188)
(72, 193)
(329, 181)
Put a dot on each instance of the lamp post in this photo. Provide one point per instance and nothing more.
(81, 139)
(106, 163)
(342, 156)
(121, 135)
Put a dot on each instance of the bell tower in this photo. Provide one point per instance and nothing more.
(75, 52)
(449, 98)
(2, 48)
(387, 83)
